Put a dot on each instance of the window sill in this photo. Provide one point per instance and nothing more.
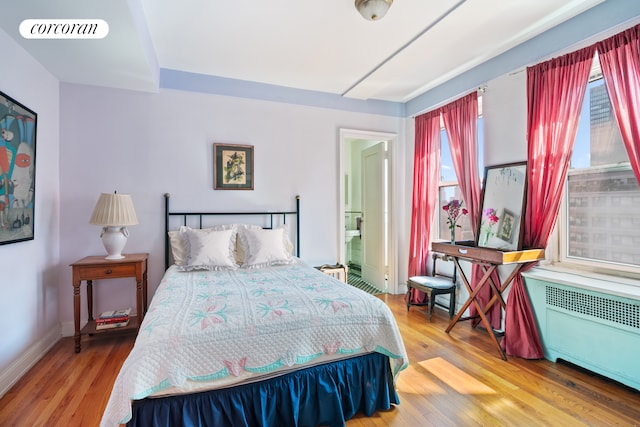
(609, 284)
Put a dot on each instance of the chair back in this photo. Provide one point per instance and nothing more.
(445, 258)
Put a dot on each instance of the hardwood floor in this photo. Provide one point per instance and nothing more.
(455, 379)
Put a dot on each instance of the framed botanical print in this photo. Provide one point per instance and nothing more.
(232, 167)
(17, 170)
(506, 225)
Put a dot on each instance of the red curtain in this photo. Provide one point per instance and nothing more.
(620, 63)
(461, 123)
(426, 176)
(555, 92)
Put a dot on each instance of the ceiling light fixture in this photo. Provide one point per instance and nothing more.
(373, 10)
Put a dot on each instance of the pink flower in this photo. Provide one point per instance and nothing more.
(236, 367)
(338, 305)
(209, 321)
(454, 211)
(491, 216)
(331, 348)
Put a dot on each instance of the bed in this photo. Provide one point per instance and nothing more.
(242, 332)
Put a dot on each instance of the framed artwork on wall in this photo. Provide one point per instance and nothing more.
(232, 167)
(17, 170)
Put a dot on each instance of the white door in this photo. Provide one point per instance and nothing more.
(373, 216)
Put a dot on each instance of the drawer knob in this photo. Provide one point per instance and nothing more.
(109, 271)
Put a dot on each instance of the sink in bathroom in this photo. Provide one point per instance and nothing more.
(350, 234)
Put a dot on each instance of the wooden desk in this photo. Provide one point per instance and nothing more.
(97, 267)
(489, 260)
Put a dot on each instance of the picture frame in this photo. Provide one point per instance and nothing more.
(502, 207)
(18, 125)
(506, 226)
(232, 167)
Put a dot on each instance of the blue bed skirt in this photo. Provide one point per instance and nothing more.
(323, 395)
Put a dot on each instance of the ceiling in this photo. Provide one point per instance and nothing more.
(323, 46)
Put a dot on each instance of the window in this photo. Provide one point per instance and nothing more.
(600, 219)
(449, 189)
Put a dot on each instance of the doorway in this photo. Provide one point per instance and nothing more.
(366, 228)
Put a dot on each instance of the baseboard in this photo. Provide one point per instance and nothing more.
(21, 366)
(69, 329)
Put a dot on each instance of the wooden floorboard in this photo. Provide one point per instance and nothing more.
(455, 379)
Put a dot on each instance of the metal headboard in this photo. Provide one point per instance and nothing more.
(200, 215)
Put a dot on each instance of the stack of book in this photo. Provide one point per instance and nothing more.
(113, 319)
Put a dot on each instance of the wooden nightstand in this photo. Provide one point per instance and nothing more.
(97, 268)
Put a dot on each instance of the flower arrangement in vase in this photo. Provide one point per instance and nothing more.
(454, 211)
(489, 219)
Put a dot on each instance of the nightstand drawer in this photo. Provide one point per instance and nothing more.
(106, 272)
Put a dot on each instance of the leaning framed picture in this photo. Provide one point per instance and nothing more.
(232, 167)
(17, 170)
(506, 226)
(503, 207)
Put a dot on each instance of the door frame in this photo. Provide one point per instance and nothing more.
(346, 135)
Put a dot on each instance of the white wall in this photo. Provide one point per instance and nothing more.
(29, 270)
(504, 106)
(148, 144)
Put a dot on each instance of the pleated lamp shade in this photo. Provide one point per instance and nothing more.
(114, 212)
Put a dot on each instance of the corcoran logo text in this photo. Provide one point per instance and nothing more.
(64, 29)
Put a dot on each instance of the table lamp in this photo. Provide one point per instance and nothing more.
(114, 212)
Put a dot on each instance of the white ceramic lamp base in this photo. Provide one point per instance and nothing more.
(114, 239)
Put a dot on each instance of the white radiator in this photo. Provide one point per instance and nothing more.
(593, 329)
(605, 307)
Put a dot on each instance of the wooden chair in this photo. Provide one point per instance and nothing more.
(436, 284)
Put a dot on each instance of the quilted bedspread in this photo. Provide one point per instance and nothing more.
(227, 327)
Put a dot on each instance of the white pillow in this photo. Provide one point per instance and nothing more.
(287, 241)
(178, 248)
(180, 245)
(210, 249)
(240, 251)
(265, 247)
(240, 248)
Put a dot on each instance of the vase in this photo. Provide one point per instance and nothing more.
(453, 236)
(486, 237)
